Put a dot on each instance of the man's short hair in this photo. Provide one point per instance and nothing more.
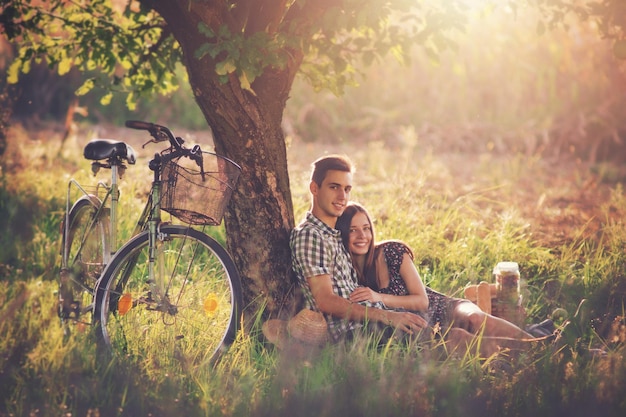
(329, 163)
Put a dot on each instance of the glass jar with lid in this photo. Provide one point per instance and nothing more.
(507, 278)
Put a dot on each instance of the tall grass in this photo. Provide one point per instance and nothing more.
(459, 221)
(461, 212)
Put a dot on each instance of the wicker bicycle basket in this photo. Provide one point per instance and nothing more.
(195, 198)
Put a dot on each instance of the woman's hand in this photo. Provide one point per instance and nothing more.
(365, 294)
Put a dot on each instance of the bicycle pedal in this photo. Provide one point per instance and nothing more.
(69, 310)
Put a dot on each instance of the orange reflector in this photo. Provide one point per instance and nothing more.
(124, 304)
(210, 304)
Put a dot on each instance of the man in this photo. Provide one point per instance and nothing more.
(323, 265)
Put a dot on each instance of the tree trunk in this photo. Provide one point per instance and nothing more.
(247, 129)
(260, 215)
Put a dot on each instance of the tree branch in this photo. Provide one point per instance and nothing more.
(305, 15)
(265, 16)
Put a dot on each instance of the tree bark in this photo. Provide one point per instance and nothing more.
(247, 129)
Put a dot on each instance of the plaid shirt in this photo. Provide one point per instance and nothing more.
(316, 249)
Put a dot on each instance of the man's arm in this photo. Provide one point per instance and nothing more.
(330, 303)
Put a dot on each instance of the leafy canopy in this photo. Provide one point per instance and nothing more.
(129, 48)
(117, 48)
(125, 46)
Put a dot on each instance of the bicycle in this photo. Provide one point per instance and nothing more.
(171, 294)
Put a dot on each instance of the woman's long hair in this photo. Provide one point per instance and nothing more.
(366, 277)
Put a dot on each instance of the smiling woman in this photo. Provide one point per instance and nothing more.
(387, 275)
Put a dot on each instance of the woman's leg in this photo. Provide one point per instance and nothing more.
(460, 341)
(470, 317)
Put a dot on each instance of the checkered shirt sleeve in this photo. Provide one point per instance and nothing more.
(317, 249)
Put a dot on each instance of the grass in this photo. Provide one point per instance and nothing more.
(447, 180)
(461, 214)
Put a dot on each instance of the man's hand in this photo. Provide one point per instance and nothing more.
(407, 322)
(330, 303)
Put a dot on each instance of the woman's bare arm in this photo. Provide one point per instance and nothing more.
(416, 300)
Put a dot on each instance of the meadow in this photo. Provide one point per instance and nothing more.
(461, 213)
(503, 150)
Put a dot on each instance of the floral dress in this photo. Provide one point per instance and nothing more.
(440, 306)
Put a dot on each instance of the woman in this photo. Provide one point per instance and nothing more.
(387, 273)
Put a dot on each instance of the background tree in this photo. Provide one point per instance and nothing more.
(241, 58)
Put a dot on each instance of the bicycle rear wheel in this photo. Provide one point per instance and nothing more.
(187, 322)
(85, 252)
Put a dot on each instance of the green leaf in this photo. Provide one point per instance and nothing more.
(65, 65)
(204, 29)
(131, 102)
(13, 74)
(106, 99)
(91, 65)
(203, 50)
(225, 67)
(245, 82)
(398, 53)
(86, 87)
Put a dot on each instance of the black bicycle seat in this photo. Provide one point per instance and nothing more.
(99, 149)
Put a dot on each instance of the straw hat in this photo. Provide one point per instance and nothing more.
(308, 327)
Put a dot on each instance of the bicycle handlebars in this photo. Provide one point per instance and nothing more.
(139, 125)
(158, 132)
(161, 134)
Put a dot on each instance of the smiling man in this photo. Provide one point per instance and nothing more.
(323, 265)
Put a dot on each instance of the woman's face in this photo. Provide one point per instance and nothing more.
(360, 234)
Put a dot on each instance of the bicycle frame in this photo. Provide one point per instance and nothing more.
(100, 204)
(156, 292)
(151, 211)
(150, 220)
(107, 203)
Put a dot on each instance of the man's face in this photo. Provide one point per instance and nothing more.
(330, 199)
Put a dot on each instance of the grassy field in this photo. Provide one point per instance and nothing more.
(562, 221)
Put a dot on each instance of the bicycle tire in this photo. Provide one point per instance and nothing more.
(86, 251)
(204, 290)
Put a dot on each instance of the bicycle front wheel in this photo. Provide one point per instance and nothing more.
(183, 321)
(85, 252)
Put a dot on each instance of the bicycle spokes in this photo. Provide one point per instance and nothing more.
(188, 306)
